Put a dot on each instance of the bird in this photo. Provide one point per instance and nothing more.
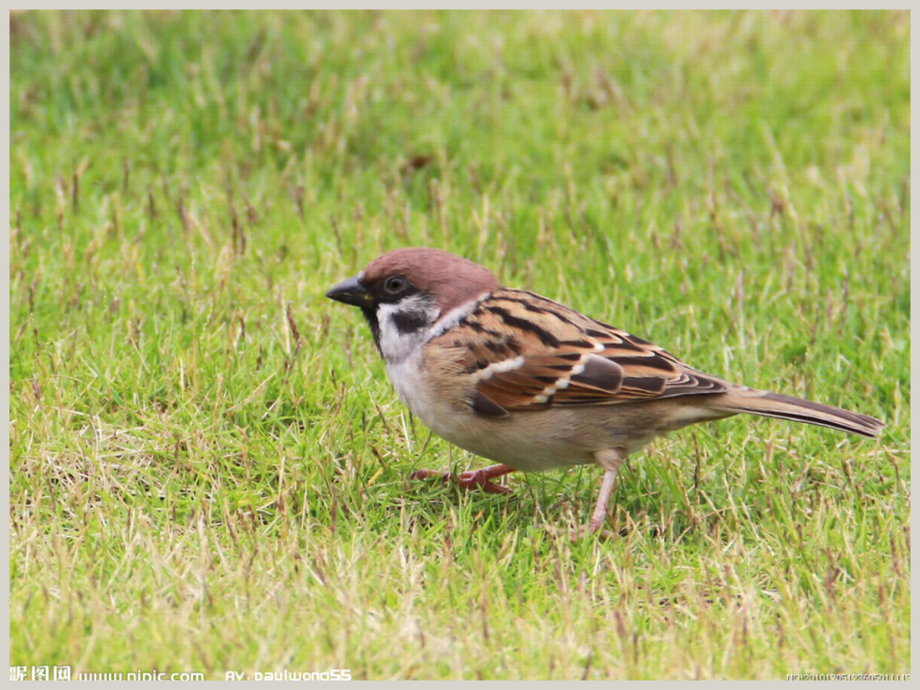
(533, 385)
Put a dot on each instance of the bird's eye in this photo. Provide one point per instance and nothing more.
(394, 284)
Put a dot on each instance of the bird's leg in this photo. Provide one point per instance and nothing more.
(610, 460)
(600, 509)
(473, 478)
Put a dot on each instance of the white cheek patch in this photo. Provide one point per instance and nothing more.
(395, 344)
(414, 305)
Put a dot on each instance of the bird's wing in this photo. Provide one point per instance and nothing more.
(528, 352)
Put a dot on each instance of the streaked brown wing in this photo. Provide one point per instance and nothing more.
(528, 352)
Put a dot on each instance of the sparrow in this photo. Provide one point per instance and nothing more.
(531, 383)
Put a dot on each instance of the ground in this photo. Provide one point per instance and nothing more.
(208, 465)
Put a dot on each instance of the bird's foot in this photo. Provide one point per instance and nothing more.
(597, 521)
(472, 479)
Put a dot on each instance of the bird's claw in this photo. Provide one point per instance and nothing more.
(465, 480)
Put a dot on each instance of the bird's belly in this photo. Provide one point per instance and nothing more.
(519, 446)
(522, 442)
(530, 441)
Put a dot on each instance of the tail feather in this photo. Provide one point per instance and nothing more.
(799, 410)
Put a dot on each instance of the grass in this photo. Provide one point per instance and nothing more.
(208, 466)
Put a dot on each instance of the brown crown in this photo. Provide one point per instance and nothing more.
(450, 279)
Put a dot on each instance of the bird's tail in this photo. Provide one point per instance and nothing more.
(780, 406)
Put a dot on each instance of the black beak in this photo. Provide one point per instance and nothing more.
(351, 291)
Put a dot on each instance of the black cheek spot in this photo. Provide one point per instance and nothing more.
(410, 322)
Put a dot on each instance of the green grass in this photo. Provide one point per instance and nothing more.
(208, 465)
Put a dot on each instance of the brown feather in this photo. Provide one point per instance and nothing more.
(566, 358)
(793, 409)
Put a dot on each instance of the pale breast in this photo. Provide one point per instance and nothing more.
(530, 441)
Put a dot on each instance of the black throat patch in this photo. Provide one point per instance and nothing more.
(371, 316)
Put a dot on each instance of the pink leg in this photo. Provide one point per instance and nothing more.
(610, 460)
(600, 509)
(473, 478)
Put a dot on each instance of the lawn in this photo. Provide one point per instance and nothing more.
(208, 467)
